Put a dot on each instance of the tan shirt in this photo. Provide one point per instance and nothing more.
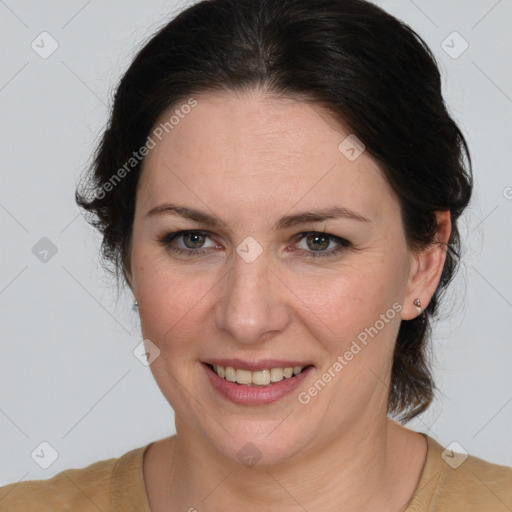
(117, 485)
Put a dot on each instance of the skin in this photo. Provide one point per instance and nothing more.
(250, 159)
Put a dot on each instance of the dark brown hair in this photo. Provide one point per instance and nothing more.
(370, 70)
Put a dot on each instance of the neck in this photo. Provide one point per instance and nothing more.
(370, 468)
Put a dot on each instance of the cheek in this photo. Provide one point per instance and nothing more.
(172, 304)
(355, 303)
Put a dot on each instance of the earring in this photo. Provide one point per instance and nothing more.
(417, 303)
(135, 306)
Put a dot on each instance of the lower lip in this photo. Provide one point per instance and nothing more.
(254, 395)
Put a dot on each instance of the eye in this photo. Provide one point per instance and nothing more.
(317, 241)
(192, 242)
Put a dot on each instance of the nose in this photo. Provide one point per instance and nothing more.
(252, 301)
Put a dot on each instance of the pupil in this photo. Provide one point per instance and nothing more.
(196, 239)
(316, 239)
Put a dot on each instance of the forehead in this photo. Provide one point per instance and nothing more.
(253, 151)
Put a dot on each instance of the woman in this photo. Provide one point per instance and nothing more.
(279, 186)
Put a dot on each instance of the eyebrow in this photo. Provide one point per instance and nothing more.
(334, 212)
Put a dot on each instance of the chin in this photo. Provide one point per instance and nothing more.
(259, 443)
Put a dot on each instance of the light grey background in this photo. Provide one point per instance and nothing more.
(67, 372)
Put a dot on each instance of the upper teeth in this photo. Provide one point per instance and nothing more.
(259, 377)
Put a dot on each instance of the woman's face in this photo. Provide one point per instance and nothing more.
(257, 287)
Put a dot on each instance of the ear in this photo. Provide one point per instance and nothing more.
(426, 268)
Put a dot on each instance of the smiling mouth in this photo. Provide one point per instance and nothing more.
(258, 378)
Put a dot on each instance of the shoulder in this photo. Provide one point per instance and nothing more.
(76, 489)
(455, 481)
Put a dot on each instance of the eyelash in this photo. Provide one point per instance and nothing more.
(170, 237)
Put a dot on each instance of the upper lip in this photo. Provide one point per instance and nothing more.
(261, 364)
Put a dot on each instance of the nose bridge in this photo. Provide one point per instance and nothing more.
(251, 303)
